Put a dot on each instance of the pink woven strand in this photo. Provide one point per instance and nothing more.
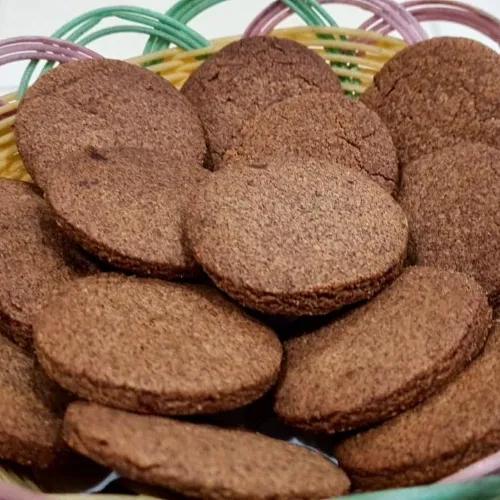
(485, 467)
(23, 56)
(445, 10)
(50, 43)
(388, 10)
(42, 49)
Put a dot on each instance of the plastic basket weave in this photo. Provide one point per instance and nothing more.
(174, 51)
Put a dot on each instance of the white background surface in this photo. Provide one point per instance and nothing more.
(43, 17)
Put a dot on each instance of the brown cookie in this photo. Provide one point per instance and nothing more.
(104, 103)
(200, 461)
(387, 355)
(30, 409)
(438, 93)
(139, 199)
(35, 259)
(449, 431)
(452, 200)
(324, 126)
(297, 237)
(248, 76)
(154, 347)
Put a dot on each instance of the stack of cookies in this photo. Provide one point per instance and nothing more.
(257, 240)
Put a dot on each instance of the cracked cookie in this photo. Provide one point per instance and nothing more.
(155, 347)
(324, 126)
(297, 237)
(387, 355)
(140, 200)
(438, 93)
(200, 461)
(104, 103)
(248, 76)
(31, 410)
(451, 198)
(35, 259)
(449, 431)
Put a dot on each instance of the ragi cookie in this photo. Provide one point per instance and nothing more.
(200, 461)
(104, 103)
(454, 428)
(452, 200)
(438, 93)
(139, 199)
(35, 259)
(323, 126)
(297, 237)
(387, 355)
(248, 76)
(31, 409)
(155, 347)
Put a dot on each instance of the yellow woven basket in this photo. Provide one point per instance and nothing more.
(355, 55)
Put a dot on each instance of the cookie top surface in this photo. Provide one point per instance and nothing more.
(246, 77)
(104, 103)
(199, 460)
(152, 346)
(30, 408)
(451, 198)
(387, 355)
(302, 233)
(140, 198)
(438, 93)
(447, 432)
(324, 126)
(35, 257)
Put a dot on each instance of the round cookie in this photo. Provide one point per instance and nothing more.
(104, 103)
(321, 126)
(31, 410)
(438, 93)
(35, 259)
(139, 199)
(451, 430)
(200, 461)
(248, 76)
(451, 198)
(155, 347)
(387, 355)
(297, 237)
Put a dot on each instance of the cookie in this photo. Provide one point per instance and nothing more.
(387, 355)
(36, 259)
(449, 431)
(451, 198)
(438, 93)
(200, 461)
(155, 347)
(248, 76)
(31, 410)
(306, 237)
(323, 126)
(140, 200)
(104, 103)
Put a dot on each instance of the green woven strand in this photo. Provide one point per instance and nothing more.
(160, 26)
(485, 489)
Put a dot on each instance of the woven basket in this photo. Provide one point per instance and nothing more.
(174, 51)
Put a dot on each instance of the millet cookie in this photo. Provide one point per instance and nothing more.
(104, 103)
(200, 461)
(438, 93)
(387, 355)
(248, 76)
(297, 237)
(155, 347)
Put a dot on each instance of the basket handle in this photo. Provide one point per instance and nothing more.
(444, 10)
(393, 13)
(185, 10)
(79, 30)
